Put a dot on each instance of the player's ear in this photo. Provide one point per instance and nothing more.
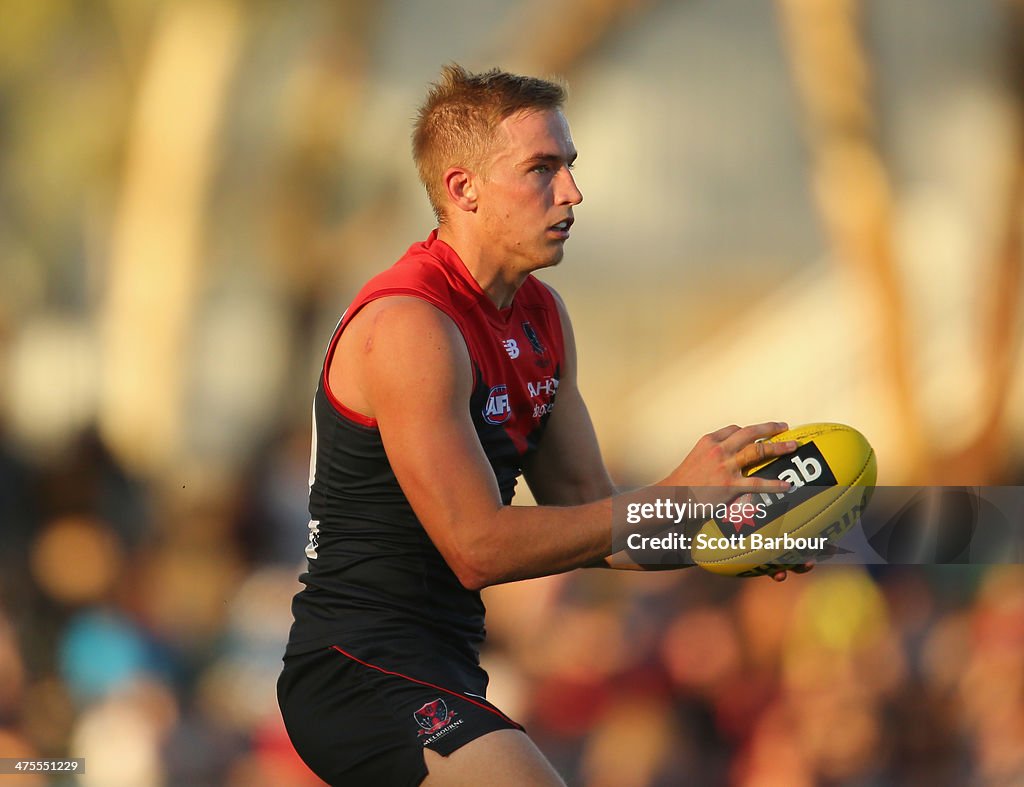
(461, 187)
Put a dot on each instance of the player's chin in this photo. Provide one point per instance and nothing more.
(554, 254)
(541, 261)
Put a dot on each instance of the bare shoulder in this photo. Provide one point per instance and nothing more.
(397, 316)
(392, 342)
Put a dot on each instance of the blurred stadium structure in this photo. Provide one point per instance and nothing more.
(807, 210)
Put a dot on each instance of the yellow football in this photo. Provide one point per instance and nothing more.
(832, 473)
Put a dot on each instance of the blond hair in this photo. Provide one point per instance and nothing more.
(456, 124)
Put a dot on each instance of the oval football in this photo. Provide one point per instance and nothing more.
(833, 472)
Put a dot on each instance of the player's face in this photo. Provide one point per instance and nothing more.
(528, 193)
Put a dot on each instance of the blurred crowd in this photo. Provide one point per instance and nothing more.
(142, 626)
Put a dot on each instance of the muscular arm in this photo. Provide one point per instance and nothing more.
(413, 374)
(404, 363)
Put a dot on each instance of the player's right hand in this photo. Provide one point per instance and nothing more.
(716, 463)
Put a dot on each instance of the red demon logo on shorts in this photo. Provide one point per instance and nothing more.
(433, 716)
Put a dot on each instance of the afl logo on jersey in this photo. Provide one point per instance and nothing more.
(497, 408)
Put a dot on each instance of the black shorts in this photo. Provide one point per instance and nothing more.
(357, 722)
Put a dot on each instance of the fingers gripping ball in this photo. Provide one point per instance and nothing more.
(832, 472)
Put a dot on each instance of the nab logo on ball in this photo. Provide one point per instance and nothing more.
(807, 471)
(806, 467)
(497, 408)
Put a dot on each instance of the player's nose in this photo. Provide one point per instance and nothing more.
(568, 193)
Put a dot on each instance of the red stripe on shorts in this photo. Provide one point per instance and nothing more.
(468, 699)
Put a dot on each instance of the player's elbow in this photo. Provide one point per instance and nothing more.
(473, 575)
(473, 580)
(475, 569)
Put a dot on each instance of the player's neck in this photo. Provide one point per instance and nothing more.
(499, 284)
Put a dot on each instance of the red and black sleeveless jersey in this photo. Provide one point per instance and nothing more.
(373, 573)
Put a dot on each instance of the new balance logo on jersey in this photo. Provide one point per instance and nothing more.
(497, 408)
(512, 348)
